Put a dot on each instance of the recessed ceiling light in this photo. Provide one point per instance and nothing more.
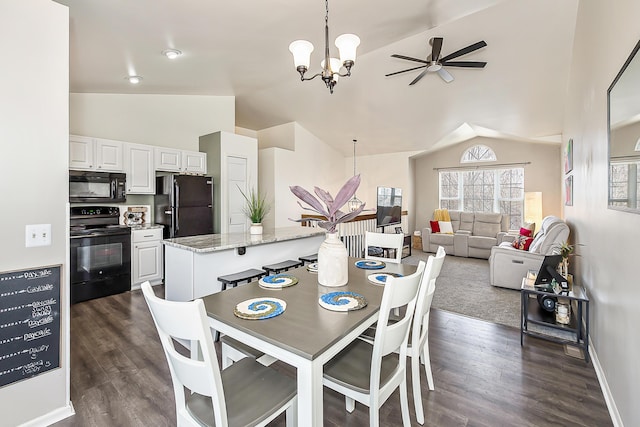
(171, 53)
(134, 79)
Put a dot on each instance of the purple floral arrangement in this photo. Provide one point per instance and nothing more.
(328, 207)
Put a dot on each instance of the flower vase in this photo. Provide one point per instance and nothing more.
(256, 228)
(564, 267)
(333, 269)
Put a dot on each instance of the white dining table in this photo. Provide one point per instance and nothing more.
(305, 335)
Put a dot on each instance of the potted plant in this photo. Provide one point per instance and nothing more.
(332, 254)
(256, 208)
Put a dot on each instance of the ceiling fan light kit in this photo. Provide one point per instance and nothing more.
(435, 64)
(346, 44)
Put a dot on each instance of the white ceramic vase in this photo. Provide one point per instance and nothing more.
(333, 269)
(256, 228)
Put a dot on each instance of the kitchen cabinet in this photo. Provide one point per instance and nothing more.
(138, 165)
(87, 153)
(147, 256)
(180, 161)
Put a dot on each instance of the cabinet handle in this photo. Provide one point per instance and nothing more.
(148, 235)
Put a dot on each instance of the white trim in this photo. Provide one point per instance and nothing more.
(604, 386)
(52, 417)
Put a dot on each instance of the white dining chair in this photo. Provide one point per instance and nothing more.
(245, 394)
(418, 349)
(386, 241)
(370, 373)
(418, 346)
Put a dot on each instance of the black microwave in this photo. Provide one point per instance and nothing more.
(89, 186)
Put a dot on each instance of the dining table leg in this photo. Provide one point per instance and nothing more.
(310, 389)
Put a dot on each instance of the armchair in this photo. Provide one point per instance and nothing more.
(507, 265)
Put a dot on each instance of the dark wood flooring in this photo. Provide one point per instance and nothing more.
(483, 377)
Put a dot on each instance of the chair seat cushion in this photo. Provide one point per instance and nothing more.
(482, 242)
(351, 367)
(252, 393)
(442, 239)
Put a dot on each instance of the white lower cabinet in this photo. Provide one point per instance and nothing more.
(147, 257)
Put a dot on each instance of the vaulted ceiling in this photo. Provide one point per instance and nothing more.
(240, 48)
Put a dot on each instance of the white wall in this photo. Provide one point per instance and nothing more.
(543, 174)
(384, 170)
(34, 178)
(164, 120)
(607, 255)
(311, 163)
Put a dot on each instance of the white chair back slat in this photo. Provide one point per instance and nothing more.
(393, 241)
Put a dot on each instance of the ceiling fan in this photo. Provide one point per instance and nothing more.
(434, 63)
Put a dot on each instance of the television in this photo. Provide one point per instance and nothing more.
(548, 271)
(389, 206)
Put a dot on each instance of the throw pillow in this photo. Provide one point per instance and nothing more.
(522, 242)
(445, 227)
(435, 227)
(525, 232)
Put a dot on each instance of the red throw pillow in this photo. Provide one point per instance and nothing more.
(522, 242)
(525, 232)
(435, 227)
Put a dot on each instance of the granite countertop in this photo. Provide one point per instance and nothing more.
(145, 226)
(219, 242)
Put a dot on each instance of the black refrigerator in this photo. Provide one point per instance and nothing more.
(184, 205)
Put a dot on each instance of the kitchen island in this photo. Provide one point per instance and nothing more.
(193, 264)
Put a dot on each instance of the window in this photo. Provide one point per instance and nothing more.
(484, 189)
(478, 153)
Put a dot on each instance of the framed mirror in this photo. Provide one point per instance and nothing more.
(624, 136)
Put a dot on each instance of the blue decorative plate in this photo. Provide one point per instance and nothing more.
(277, 281)
(313, 267)
(381, 278)
(342, 301)
(260, 308)
(370, 264)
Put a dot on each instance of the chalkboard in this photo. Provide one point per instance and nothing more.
(29, 323)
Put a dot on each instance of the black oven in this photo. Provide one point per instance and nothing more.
(101, 187)
(100, 255)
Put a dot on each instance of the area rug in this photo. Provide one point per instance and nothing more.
(463, 287)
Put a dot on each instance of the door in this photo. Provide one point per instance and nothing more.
(193, 191)
(236, 180)
(139, 169)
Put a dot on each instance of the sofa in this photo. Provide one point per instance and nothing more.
(508, 265)
(474, 234)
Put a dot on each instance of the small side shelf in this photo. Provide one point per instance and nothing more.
(575, 333)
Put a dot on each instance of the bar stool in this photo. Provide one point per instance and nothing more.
(281, 266)
(309, 258)
(231, 280)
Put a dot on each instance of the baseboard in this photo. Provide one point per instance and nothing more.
(604, 386)
(52, 417)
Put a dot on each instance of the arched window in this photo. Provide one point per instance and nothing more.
(478, 153)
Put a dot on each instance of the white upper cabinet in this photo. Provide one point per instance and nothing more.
(138, 165)
(95, 154)
(181, 161)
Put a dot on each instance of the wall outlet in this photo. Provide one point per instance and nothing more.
(37, 235)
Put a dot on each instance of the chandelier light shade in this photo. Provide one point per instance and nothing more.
(346, 44)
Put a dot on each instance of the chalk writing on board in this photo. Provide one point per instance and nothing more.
(29, 323)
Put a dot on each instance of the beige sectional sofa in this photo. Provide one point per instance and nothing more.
(474, 234)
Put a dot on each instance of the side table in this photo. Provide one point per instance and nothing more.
(532, 313)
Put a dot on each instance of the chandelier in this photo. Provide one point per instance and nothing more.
(346, 44)
(354, 203)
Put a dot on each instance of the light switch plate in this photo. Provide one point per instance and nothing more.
(37, 235)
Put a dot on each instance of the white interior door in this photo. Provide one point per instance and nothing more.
(237, 178)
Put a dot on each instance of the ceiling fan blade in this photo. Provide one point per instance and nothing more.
(445, 75)
(404, 71)
(466, 64)
(436, 44)
(464, 51)
(408, 58)
(417, 79)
